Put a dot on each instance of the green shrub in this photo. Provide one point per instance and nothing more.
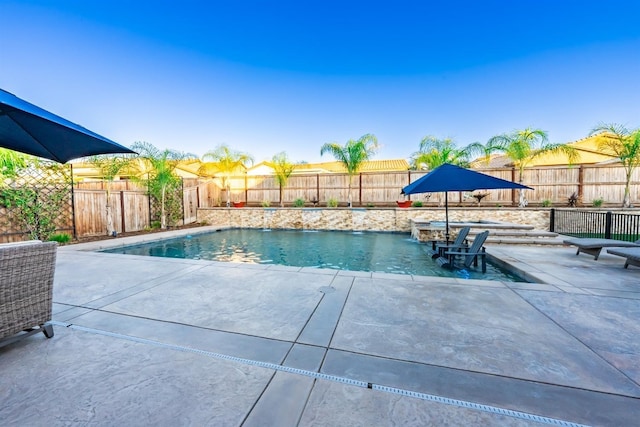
(265, 203)
(36, 209)
(598, 202)
(332, 203)
(371, 205)
(155, 225)
(417, 204)
(546, 203)
(298, 203)
(61, 238)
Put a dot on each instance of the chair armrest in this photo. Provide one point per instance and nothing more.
(452, 246)
(464, 253)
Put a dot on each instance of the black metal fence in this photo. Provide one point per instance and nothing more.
(608, 225)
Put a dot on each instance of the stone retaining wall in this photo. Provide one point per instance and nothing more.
(361, 219)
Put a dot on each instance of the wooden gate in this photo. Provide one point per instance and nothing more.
(190, 204)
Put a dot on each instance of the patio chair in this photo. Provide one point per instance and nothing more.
(26, 288)
(632, 255)
(593, 246)
(468, 255)
(461, 242)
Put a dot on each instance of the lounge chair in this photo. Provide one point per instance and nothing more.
(593, 246)
(26, 288)
(461, 242)
(631, 254)
(469, 255)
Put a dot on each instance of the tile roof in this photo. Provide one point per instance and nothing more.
(588, 150)
(392, 165)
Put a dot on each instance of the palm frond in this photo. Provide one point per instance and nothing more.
(353, 153)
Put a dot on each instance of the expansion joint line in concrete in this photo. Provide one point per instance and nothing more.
(319, 375)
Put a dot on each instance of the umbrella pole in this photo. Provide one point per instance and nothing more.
(446, 216)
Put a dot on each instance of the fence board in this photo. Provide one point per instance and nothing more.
(89, 206)
(136, 210)
(190, 204)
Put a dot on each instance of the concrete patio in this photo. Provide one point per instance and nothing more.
(167, 342)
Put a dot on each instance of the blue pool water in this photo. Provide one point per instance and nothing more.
(369, 251)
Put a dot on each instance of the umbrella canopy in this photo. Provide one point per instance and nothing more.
(454, 178)
(29, 129)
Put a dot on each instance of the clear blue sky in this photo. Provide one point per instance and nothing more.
(265, 77)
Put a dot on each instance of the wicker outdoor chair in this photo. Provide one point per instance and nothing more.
(26, 289)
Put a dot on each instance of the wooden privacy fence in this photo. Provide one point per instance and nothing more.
(381, 188)
(554, 184)
(131, 209)
(588, 182)
(130, 205)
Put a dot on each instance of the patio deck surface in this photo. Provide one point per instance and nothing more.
(157, 341)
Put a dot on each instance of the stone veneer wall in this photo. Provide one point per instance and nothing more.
(361, 219)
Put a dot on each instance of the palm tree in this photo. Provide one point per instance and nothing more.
(283, 169)
(225, 161)
(353, 154)
(111, 166)
(522, 146)
(160, 170)
(625, 145)
(434, 152)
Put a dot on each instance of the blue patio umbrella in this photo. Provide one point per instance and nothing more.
(454, 178)
(32, 130)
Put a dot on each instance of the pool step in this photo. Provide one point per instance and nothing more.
(515, 241)
(499, 233)
(521, 237)
(492, 226)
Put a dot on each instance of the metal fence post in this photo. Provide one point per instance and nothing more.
(607, 225)
(552, 220)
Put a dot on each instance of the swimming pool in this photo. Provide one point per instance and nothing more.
(359, 251)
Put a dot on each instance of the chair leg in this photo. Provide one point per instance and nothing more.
(47, 330)
(596, 255)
